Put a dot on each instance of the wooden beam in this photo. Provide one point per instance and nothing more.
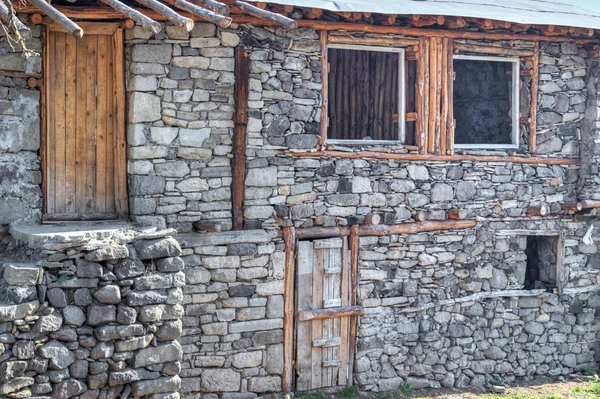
(428, 20)
(269, 16)
(435, 158)
(330, 313)
(534, 99)
(572, 207)
(216, 6)
(383, 229)
(133, 14)
(324, 122)
(473, 48)
(455, 23)
(457, 214)
(541, 210)
(373, 41)
(171, 15)
(58, 17)
(223, 22)
(21, 75)
(289, 238)
(590, 204)
(120, 144)
(313, 13)
(238, 163)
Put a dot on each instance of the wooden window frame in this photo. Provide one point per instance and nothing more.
(401, 93)
(515, 84)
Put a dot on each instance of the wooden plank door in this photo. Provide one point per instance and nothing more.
(84, 143)
(323, 314)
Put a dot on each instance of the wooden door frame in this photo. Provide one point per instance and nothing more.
(289, 302)
(120, 144)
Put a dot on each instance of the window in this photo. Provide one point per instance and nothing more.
(541, 262)
(366, 94)
(486, 102)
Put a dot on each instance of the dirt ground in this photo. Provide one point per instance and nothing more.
(542, 388)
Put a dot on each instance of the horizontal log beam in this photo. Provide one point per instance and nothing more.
(383, 230)
(373, 41)
(574, 207)
(95, 13)
(433, 157)
(590, 204)
(21, 75)
(330, 313)
(472, 48)
(58, 17)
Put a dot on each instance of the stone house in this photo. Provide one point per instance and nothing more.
(226, 200)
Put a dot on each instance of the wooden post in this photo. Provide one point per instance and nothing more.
(450, 102)
(534, 99)
(445, 96)
(325, 88)
(238, 163)
(269, 16)
(353, 296)
(220, 20)
(59, 18)
(422, 91)
(133, 14)
(289, 238)
(433, 98)
(171, 15)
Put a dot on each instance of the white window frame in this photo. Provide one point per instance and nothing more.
(516, 77)
(401, 94)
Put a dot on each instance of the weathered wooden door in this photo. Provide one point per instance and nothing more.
(84, 146)
(323, 309)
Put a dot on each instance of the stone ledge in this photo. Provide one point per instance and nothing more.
(189, 240)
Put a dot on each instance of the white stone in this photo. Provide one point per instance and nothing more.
(163, 135)
(229, 39)
(192, 184)
(191, 62)
(143, 107)
(361, 184)
(193, 137)
(262, 177)
(247, 359)
(142, 83)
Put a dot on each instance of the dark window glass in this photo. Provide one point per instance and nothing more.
(482, 102)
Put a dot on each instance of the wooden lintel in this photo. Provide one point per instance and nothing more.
(58, 17)
(133, 14)
(373, 41)
(238, 163)
(169, 14)
(204, 14)
(266, 15)
(472, 48)
(383, 229)
(330, 313)
(435, 157)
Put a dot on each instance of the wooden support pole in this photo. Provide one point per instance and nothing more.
(541, 210)
(215, 6)
(450, 103)
(422, 91)
(534, 99)
(435, 158)
(354, 235)
(384, 229)
(207, 15)
(269, 16)
(289, 238)
(573, 207)
(325, 88)
(133, 14)
(238, 163)
(171, 15)
(457, 214)
(590, 204)
(59, 18)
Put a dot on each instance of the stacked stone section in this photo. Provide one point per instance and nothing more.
(94, 319)
(180, 96)
(233, 299)
(20, 176)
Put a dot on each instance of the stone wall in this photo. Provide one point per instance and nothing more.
(233, 299)
(91, 318)
(20, 177)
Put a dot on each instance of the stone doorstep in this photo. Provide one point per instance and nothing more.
(35, 235)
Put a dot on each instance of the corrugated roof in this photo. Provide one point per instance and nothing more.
(540, 12)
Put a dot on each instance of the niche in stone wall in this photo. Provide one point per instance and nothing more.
(542, 260)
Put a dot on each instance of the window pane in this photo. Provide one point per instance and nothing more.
(482, 102)
(363, 95)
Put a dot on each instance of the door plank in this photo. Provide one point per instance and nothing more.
(101, 125)
(72, 78)
(90, 124)
(63, 52)
(120, 146)
(317, 325)
(110, 133)
(80, 126)
(51, 70)
(304, 302)
(344, 326)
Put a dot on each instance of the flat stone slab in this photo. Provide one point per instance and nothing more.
(189, 240)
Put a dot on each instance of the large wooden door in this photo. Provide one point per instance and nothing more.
(84, 146)
(323, 314)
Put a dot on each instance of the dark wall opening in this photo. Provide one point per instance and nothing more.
(482, 102)
(541, 262)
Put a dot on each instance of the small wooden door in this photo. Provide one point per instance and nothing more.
(323, 305)
(84, 145)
